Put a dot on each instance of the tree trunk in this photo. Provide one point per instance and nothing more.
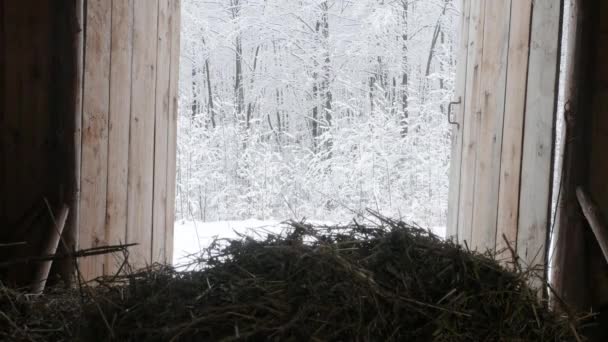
(251, 105)
(195, 104)
(404, 70)
(325, 91)
(239, 92)
(210, 94)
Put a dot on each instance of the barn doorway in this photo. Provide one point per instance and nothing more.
(313, 110)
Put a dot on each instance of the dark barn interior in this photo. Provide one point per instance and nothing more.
(38, 98)
(580, 267)
(41, 103)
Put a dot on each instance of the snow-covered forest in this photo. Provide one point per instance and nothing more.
(315, 108)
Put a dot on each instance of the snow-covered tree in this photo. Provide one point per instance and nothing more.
(315, 108)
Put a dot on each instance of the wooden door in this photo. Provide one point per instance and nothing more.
(502, 149)
(129, 117)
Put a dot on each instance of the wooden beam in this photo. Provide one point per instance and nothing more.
(50, 248)
(594, 217)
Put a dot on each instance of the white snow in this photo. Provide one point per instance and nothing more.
(439, 231)
(191, 237)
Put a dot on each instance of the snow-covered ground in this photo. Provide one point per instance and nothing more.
(190, 237)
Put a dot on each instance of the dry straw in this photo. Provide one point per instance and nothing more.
(382, 282)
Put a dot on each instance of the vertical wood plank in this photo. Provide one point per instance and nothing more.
(569, 262)
(74, 218)
(172, 127)
(119, 120)
(536, 169)
(470, 128)
(459, 93)
(95, 133)
(161, 131)
(141, 149)
(492, 99)
(508, 198)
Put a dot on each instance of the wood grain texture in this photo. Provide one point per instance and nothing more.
(460, 117)
(492, 97)
(96, 101)
(141, 149)
(537, 157)
(119, 121)
(471, 124)
(508, 198)
(172, 127)
(162, 113)
(74, 216)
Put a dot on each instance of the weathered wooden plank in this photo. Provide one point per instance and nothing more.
(508, 198)
(471, 124)
(172, 127)
(141, 148)
(161, 130)
(536, 169)
(94, 149)
(119, 120)
(568, 267)
(74, 216)
(492, 98)
(71, 57)
(460, 117)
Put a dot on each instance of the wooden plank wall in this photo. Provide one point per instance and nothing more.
(131, 56)
(502, 152)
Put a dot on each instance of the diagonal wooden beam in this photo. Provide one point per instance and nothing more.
(594, 218)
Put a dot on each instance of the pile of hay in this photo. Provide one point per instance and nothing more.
(390, 282)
